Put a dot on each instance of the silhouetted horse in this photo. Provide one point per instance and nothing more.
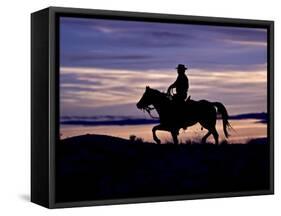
(173, 117)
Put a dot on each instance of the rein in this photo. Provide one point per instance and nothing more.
(148, 109)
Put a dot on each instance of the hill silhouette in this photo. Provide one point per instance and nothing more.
(91, 167)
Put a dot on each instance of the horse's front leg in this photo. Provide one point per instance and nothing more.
(154, 129)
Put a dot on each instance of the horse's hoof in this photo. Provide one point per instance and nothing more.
(158, 141)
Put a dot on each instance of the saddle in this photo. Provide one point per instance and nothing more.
(180, 107)
(180, 103)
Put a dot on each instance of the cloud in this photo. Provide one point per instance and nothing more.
(106, 64)
(132, 45)
(247, 42)
(105, 57)
(106, 91)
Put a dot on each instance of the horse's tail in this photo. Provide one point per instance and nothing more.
(222, 110)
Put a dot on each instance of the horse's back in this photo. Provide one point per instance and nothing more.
(200, 107)
(204, 101)
(196, 103)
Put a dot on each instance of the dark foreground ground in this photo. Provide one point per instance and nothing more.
(92, 167)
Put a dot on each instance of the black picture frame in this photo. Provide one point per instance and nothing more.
(45, 98)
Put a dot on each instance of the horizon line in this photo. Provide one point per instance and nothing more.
(109, 120)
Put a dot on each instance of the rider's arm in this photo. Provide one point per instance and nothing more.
(171, 87)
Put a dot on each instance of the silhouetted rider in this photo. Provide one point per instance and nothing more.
(181, 85)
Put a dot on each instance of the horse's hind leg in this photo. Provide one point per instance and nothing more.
(175, 137)
(205, 137)
(215, 135)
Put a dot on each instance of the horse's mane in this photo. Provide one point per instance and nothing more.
(158, 92)
(162, 96)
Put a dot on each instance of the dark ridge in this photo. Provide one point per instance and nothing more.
(96, 138)
(95, 167)
(261, 140)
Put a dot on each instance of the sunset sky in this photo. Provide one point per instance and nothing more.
(106, 64)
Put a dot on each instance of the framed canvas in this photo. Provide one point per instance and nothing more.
(139, 107)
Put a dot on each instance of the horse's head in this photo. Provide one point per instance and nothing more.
(147, 99)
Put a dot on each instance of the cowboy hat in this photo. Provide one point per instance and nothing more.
(181, 66)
